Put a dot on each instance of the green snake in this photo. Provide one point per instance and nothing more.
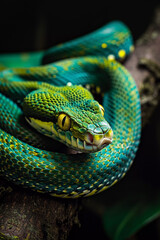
(43, 100)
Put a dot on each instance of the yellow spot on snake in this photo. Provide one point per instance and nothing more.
(104, 45)
(91, 193)
(104, 188)
(122, 53)
(35, 153)
(73, 193)
(114, 182)
(111, 57)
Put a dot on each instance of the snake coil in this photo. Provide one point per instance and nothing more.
(87, 60)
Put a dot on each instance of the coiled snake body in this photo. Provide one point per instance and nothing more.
(54, 102)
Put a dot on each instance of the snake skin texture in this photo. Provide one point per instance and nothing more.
(26, 156)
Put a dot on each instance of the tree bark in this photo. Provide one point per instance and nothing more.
(29, 215)
(144, 66)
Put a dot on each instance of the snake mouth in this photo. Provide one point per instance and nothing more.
(90, 143)
(86, 147)
(97, 144)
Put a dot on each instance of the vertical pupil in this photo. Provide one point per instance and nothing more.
(63, 121)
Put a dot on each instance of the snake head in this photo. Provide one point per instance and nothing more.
(70, 115)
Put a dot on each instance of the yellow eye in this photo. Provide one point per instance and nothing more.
(64, 121)
(102, 109)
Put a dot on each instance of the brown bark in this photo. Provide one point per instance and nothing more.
(28, 215)
(144, 65)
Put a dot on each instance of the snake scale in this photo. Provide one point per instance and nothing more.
(48, 88)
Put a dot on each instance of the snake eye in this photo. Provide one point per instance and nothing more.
(64, 121)
(102, 109)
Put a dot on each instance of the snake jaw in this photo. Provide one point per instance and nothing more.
(104, 142)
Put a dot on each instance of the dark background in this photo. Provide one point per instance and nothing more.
(36, 25)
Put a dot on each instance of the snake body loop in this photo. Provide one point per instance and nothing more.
(26, 157)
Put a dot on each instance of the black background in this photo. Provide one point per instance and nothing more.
(36, 25)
